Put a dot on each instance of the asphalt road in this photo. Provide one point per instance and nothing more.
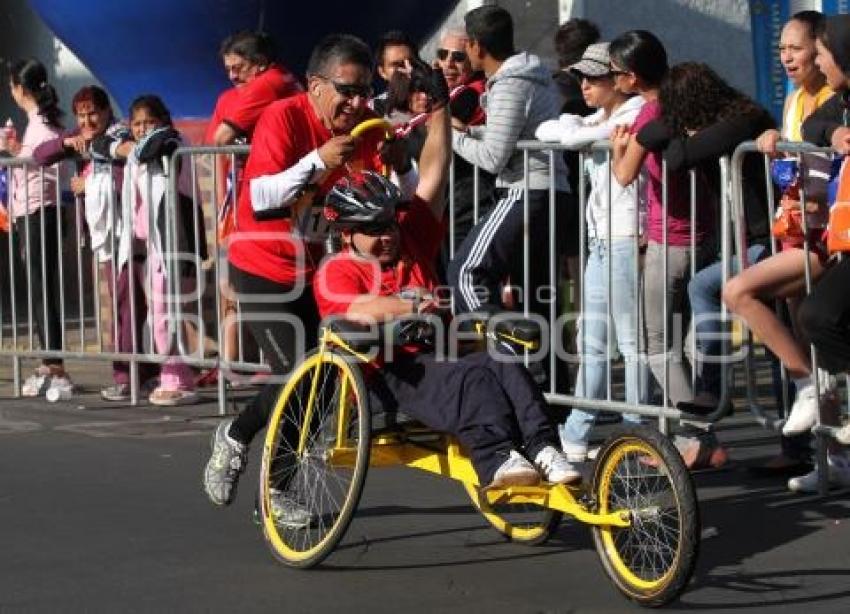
(101, 510)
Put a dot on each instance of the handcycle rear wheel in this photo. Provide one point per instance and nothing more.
(639, 471)
(523, 523)
(316, 452)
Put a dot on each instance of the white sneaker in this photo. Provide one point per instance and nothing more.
(515, 471)
(804, 412)
(61, 388)
(37, 383)
(842, 436)
(226, 464)
(61, 382)
(839, 475)
(555, 467)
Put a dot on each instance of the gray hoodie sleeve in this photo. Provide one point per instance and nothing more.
(507, 104)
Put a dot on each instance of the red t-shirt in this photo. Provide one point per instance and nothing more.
(222, 107)
(343, 277)
(288, 130)
(224, 192)
(251, 99)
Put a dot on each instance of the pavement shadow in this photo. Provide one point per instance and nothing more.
(759, 517)
(482, 541)
(394, 510)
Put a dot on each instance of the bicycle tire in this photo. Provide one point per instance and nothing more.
(651, 561)
(523, 523)
(333, 382)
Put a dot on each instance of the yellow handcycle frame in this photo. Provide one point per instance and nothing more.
(440, 454)
(447, 459)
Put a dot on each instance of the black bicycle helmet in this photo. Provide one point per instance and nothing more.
(363, 198)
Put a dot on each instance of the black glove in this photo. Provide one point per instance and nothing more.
(439, 89)
(422, 78)
(101, 146)
(654, 136)
(413, 331)
(157, 144)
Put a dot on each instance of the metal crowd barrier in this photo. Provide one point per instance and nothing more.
(81, 312)
(205, 176)
(763, 416)
(194, 156)
(662, 411)
(20, 230)
(205, 195)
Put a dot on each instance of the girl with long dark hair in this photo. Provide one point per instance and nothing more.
(704, 118)
(35, 213)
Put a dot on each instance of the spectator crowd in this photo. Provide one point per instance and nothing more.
(323, 219)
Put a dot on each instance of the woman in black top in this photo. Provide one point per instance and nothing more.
(703, 119)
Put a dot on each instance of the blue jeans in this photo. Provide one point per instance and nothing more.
(593, 333)
(704, 293)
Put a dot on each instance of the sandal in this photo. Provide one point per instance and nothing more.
(164, 397)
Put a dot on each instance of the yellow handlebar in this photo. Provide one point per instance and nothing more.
(373, 124)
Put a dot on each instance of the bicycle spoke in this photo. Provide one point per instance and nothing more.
(648, 547)
(307, 477)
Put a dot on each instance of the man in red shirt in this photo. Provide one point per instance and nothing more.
(385, 272)
(258, 80)
(301, 146)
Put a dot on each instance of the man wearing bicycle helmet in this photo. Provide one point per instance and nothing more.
(385, 272)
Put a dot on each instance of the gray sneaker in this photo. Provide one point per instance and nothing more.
(227, 461)
(288, 511)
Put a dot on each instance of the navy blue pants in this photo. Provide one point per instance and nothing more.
(493, 251)
(491, 407)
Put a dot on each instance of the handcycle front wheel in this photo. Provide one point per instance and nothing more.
(315, 458)
(524, 523)
(640, 472)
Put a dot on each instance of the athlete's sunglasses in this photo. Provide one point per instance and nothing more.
(350, 90)
(455, 55)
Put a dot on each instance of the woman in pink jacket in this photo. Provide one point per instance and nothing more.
(34, 212)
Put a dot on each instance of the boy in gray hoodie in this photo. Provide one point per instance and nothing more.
(520, 94)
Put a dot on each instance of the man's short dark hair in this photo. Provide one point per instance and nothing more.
(339, 49)
(492, 27)
(394, 38)
(256, 47)
(572, 38)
